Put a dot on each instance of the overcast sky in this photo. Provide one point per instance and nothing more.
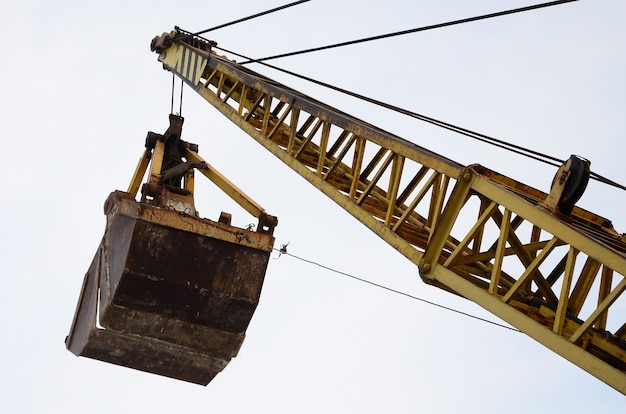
(81, 89)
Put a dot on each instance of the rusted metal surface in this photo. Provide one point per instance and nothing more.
(173, 293)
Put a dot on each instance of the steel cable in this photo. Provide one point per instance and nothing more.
(529, 153)
(283, 251)
(409, 31)
(526, 152)
(295, 3)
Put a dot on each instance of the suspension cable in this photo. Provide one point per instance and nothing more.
(463, 131)
(172, 101)
(180, 99)
(529, 153)
(419, 29)
(526, 152)
(283, 251)
(243, 19)
(478, 136)
(180, 104)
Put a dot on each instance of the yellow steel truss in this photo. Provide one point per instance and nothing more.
(470, 230)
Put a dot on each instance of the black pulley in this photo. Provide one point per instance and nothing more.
(575, 184)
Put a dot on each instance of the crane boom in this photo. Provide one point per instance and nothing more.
(502, 244)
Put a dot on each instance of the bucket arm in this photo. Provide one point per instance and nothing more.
(520, 257)
(157, 157)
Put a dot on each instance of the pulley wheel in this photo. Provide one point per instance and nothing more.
(575, 185)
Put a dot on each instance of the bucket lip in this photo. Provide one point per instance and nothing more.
(122, 203)
(148, 354)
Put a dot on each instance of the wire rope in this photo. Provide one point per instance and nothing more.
(415, 30)
(526, 152)
(283, 251)
(463, 131)
(537, 156)
(243, 19)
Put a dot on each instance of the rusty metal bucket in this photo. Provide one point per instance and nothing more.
(169, 293)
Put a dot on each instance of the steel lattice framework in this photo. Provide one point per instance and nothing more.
(470, 230)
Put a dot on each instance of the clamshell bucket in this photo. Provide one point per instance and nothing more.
(168, 292)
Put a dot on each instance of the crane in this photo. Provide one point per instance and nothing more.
(528, 257)
(171, 293)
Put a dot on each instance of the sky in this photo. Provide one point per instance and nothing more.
(81, 89)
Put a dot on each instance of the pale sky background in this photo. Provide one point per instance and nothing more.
(81, 89)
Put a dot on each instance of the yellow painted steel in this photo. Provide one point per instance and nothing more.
(419, 209)
(187, 62)
(575, 354)
(140, 171)
(559, 319)
(225, 185)
(190, 181)
(157, 161)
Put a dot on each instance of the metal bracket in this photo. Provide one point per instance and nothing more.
(171, 162)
